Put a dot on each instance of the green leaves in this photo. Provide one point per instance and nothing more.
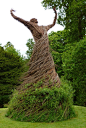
(10, 69)
(50, 3)
(30, 45)
(57, 41)
(72, 15)
(74, 61)
(42, 104)
(76, 19)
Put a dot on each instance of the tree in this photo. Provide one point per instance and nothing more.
(10, 69)
(76, 19)
(74, 61)
(57, 41)
(9, 44)
(10, 48)
(29, 44)
(71, 15)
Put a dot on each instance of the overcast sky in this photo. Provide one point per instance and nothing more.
(14, 31)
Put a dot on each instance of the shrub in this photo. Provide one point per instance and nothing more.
(37, 103)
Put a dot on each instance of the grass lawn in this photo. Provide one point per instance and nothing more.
(78, 122)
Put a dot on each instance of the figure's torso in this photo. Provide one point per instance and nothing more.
(37, 31)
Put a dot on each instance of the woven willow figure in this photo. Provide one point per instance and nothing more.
(41, 64)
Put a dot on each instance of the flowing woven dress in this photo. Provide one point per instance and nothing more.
(41, 64)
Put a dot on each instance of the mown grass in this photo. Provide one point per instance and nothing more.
(78, 122)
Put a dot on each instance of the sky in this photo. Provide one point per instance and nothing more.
(14, 31)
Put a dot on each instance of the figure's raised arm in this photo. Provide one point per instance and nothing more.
(54, 21)
(26, 23)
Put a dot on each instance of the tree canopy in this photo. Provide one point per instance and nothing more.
(10, 69)
(72, 15)
(74, 61)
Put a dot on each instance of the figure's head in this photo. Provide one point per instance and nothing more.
(34, 20)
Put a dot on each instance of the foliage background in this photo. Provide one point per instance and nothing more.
(11, 67)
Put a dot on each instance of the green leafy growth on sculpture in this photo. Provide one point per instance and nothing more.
(35, 103)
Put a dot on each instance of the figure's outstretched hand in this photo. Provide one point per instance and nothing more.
(12, 10)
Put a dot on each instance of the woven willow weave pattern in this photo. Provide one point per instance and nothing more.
(41, 64)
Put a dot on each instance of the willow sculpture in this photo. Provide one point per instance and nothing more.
(40, 98)
(41, 64)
